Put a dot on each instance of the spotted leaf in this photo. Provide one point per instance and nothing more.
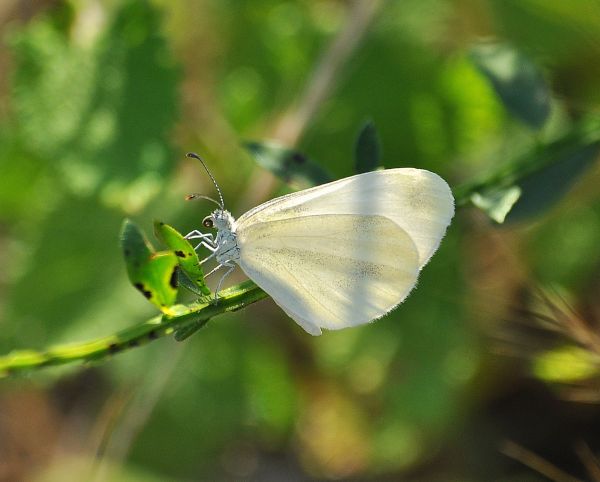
(187, 258)
(154, 274)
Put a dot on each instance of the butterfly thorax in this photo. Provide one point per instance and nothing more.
(226, 239)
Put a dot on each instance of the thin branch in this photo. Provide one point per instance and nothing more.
(126, 424)
(326, 72)
(537, 463)
(589, 460)
(232, 299)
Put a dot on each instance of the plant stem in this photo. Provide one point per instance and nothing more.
(231, 299)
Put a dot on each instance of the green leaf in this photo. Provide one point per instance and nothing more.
(187, 257)
(185, 281)
(184, 333)
(543, 175)
(516, 80)
(544, 188)
(367, 151)
(154, 274)
(288, 164)
(497, 203)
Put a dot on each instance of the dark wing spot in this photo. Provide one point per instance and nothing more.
(180, 254)
(143, 290)
(153, 335)
(133, 343)
(113, 348)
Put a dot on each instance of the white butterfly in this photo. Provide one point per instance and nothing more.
(340, 254)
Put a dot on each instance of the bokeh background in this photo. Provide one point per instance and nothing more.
(488, 372)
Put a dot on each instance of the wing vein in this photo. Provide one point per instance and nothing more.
(307, 291)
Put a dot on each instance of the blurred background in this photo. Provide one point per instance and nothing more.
(488, 372)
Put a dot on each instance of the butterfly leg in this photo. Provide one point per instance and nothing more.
(195, 234)
(207, 239)
(231, 267)
(213, 270)
(212, 255)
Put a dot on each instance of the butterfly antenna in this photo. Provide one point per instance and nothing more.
(196, 156)
(193, 196)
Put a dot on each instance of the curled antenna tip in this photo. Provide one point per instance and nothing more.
(196, 156)
(195, 195)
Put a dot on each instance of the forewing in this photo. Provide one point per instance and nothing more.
(418, 201)
(330, 271)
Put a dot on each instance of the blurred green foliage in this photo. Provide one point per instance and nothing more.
(293, 167)
(516, 80)
(101, 101)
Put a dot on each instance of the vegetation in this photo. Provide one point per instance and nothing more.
(489, 371)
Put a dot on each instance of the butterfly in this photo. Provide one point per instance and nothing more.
(336, 255)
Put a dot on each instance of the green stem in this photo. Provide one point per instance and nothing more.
(192, 317)
(197, 314)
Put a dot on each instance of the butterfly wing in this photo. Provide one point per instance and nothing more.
(330, 271)
(418, 201)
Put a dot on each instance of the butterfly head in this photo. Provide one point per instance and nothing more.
(220, 219)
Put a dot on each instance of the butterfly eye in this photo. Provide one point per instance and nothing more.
(207, 222)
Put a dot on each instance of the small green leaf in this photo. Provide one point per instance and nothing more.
(288, 164)
(549, 172)
(184, 333)
(154, 274)
(543, 189)
(184, 280)
(497, 203)
(187, 257)
(367, 151)
(516, 80)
